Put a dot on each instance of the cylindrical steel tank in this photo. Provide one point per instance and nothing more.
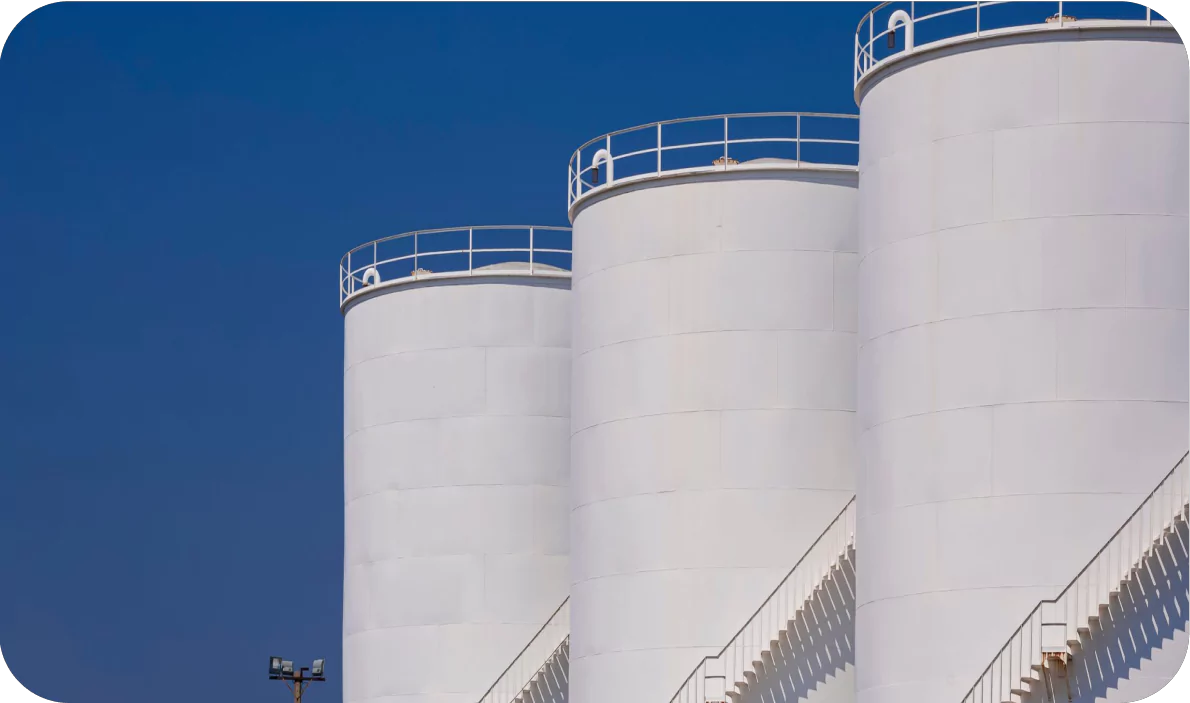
(713, 400)
(1022, 327)
(456, 430)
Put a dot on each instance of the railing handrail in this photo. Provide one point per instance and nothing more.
(701, 118)
(842, 513)
(1091, 562)
(524, 649)
(441, 230)
(865, 48)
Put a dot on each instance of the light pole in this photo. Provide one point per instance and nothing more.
(282, 670)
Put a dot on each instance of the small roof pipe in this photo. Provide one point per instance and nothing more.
(604, 156)
(902, 17)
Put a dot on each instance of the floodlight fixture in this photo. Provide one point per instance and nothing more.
(297, 680)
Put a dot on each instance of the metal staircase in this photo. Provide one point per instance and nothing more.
(1124, 604)
(540, 672)
(799, 637)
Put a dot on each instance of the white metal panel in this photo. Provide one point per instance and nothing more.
(1022, 363)
(713, 424)
(456, 452)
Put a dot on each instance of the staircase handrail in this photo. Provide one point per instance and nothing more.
(497, 692)
(838, 536)
(1085, 591)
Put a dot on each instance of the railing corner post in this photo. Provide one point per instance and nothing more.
(658, 148)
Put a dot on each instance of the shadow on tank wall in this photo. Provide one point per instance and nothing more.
(820, 664)
(1139, 629)
(1139, 641)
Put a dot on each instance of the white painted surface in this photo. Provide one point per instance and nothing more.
(10, 692)
(713, 433)
(1022, 335)
(456, 424)
(10, 12)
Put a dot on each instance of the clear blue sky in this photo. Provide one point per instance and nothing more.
(177, 183)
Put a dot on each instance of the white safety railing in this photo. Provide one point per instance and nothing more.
(453, 252)
(714, 143)
(915, 25)
(716, 675)
(1053, 623)
(533, 658)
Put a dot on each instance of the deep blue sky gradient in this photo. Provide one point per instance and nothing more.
(177, 184)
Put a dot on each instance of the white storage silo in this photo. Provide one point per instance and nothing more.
(713, 383)
(1022, 322)
(456, 428)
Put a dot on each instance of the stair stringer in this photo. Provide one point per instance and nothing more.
(800, 638)
(1138, 640)
(813, 658)
(540, 673)
(1121, 614)
(551, 683)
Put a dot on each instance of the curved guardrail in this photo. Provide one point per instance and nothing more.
(898, 28)
(513, 680)
(490, 250)
(771, 617)
(755, 140)
(1052, 623)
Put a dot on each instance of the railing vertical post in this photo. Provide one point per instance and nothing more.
(977, 22)
(658, 148)
(578, 174)
(1061, 17)
(724, 143)
(871, 38)
(415, 266)
(798, 141)
(350, 276)
(470, 251)
(530, 251)
(1149, 16)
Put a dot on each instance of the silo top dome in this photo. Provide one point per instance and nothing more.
(458, 252)
(893, 31)
(758, 141)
